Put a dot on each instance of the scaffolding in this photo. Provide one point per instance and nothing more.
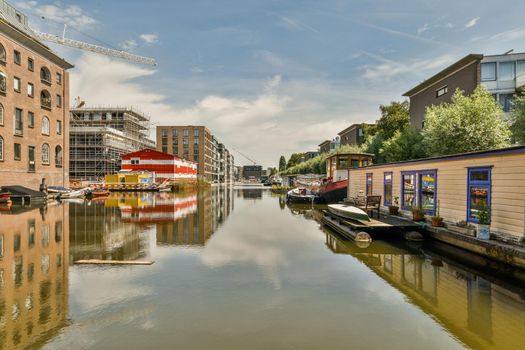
(100, 136)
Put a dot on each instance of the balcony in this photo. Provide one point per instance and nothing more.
(520, 81)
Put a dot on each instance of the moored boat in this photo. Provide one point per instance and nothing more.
(348, 212)
(301, 195)
(334, 191)
(5, 197)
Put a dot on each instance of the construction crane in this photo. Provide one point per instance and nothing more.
(10, 14)
(245, 156)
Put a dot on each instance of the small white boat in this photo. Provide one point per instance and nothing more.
(301, 195)
(73, 194)
(348, 212)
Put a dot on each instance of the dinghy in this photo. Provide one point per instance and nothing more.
(301, 195)
(348, 212)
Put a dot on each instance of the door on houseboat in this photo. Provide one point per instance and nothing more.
(31, 159)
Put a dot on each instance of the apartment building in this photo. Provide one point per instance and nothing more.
(34, 109)
(502, 75)
(324, 147)
(354, 135)
(99, 136)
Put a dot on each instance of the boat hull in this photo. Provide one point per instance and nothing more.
(334, 192)
(348, 212)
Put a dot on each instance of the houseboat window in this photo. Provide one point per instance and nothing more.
(388, 189)
(427, 191)
(488, 71)
(343, 163)
(369, 184)
(365, 162)
(355, 163)
(408, 197)
(479, 184)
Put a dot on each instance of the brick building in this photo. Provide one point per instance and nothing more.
(34, 109)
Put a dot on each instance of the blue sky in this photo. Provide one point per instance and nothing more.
(272, 77)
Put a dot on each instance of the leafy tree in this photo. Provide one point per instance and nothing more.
(404, 145)
(295, 159)
(272, 171)
(394, 117)
(373, 145)
(468, 123)
(282, 163)
(517, 118)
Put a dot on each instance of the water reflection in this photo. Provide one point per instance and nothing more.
(480, 309)
(34, 262)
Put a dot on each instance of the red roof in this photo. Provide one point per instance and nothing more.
(149, 154)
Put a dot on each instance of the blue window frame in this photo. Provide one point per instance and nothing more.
(408, 190)
(427, 191)
(369, 184)
(387, 188)
(479, 185)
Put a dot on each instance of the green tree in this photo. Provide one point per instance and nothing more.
(394, 117)
(517, 118)
(295, 159)
(272, 171)
(374, 145)
(282, 163)
(404, 145)
(468, 123)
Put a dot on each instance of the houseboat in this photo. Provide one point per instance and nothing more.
(335, 187)
(457, 188)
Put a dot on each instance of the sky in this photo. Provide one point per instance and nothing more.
(270, 77)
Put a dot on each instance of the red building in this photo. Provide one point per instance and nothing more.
(165, 166)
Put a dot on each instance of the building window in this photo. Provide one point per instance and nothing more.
(2, 54)
(442, 91)
(1, 114)
(58, 156)
(1, 148)
(45, 153)
(45, 126)
(427, 191)
(18, 151)
(45, 75)
(387, 189)
(3, 82)
(185, 132)
(30, 119)
(175, 133)
(408, 190)
(18, 122)
(505, 101)
(520, 69)
(59, 78)
(16, 84)
(488, 71)
(30, 90)
(45, 99)
(196, 132)
(479, 188)
(59, 127)
(506, 71)
(59, 101)
(164, 133)
(369, 184)
(17, 58)
(30, 64)
(196, 141)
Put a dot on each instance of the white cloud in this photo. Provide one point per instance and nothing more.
(149, 38)
(510, 35)
(72, 15)
(472, 22)
(128, 45)
(423, 29)
(295, 24)
(427, 27)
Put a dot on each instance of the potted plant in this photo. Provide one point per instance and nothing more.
(483, 215)
(393, 209)
(418, 213)
(437, 221)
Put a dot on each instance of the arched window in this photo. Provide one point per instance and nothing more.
(1, 114)
(45, 75)
(45, 99)
(45, 153)
(2, 54)
(1, 148)
(58, 156)
(45, 125)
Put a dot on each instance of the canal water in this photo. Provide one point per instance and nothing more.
(237, 269)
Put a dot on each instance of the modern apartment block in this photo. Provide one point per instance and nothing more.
(34, 109)
(502, 75)
(309, 155)
(324, 147)
(252, 172)
(100, 136)
(197, 144)
(354, 135)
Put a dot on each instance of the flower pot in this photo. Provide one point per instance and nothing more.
(437, 221)
(418, 217)
(483, 232)
(393, 210)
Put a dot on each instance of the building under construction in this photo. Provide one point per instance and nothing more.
(100, 136)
